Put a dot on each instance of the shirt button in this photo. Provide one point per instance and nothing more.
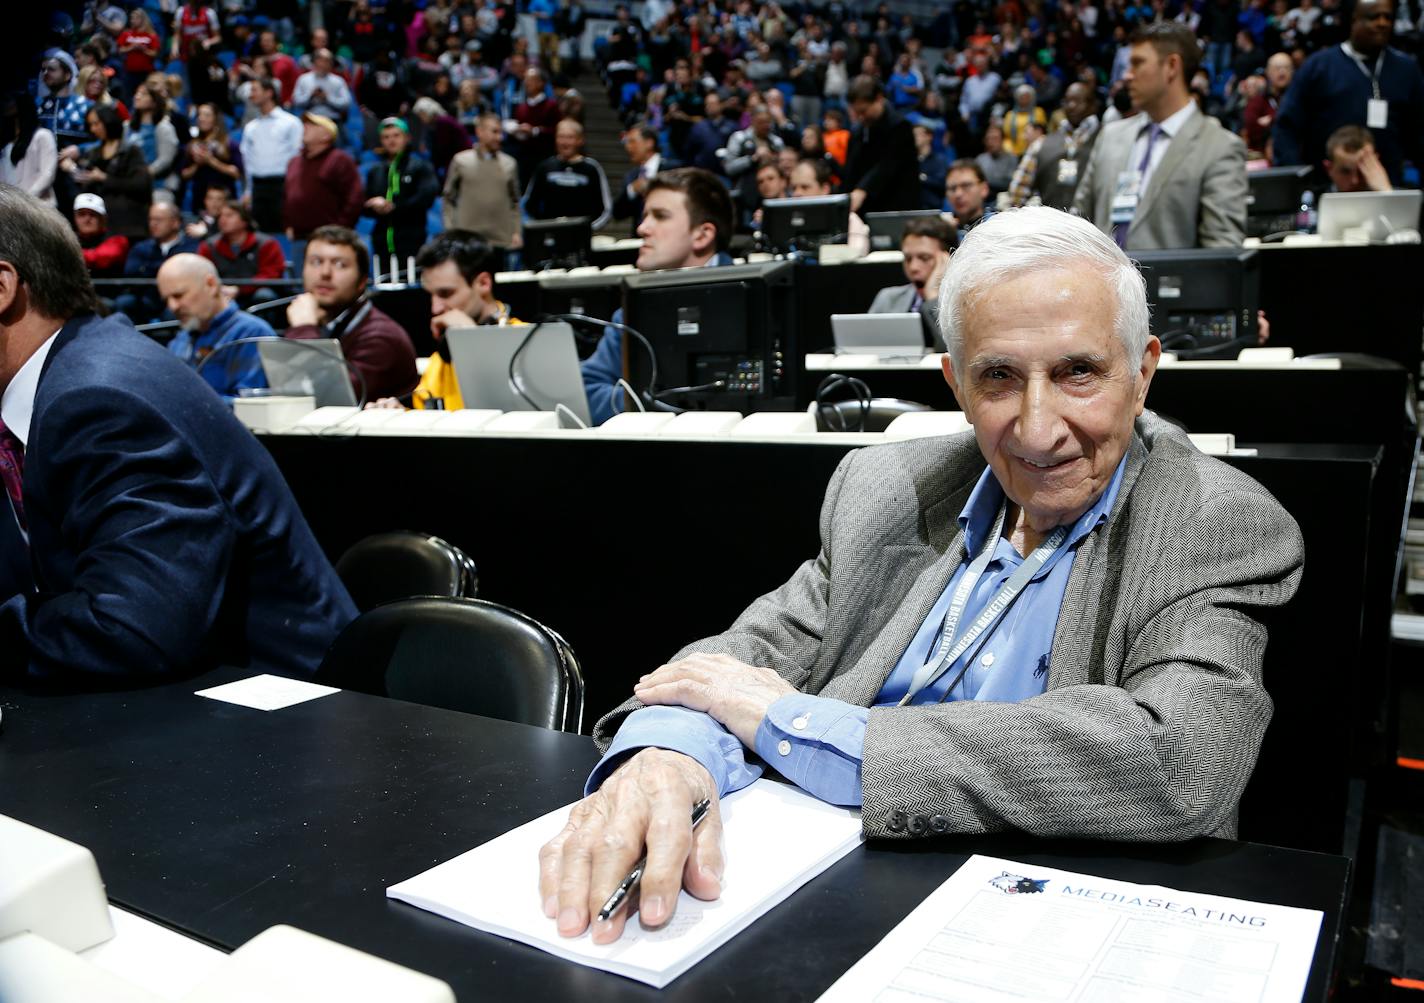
(988, 658)
(800, 723)
(783, 747)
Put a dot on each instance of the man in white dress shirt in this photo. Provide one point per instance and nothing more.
(269, 142)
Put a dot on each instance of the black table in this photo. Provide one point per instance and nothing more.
(220, 821)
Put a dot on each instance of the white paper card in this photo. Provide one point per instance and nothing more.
(267, 692)
(776, 839)
(1377, 113)
(999, 931)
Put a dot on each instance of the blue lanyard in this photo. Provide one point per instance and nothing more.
(952, 644)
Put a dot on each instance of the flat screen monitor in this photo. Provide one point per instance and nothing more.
(561, 242)
(800, 224)
(1203, 300)
(307, 366)
(547, 370)
(727, 333)
(592, 294)
(1277, 191)
(1380, 214)
(887, 229)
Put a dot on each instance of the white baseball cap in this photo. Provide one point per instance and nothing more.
(90, 201)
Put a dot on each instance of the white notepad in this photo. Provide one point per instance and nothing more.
(776, 839)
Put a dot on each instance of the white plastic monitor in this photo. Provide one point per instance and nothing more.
(881, 334)
(313, 367)
(1380, 214)
(547, 369)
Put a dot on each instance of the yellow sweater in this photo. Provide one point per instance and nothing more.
(439, 381)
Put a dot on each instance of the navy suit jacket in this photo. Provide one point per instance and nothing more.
(163, 539)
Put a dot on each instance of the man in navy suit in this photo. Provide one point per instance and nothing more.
(143, 531)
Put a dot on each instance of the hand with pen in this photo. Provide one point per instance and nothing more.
(647, 808)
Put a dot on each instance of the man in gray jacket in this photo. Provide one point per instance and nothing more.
(926, 245)
(1051, 624)
(1169, 176)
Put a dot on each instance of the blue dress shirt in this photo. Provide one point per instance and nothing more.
(817, 742)
(240, 367)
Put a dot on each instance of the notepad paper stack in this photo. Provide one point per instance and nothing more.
(776, 839)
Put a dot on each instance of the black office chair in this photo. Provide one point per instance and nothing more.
(460, 654)
(390, 566)
(873, 415)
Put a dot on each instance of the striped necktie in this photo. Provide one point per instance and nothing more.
(12, 470)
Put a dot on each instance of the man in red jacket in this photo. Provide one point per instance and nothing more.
(240, 252)
(104, 252)
(323, 185)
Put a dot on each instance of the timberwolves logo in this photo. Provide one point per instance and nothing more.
(1017, 884)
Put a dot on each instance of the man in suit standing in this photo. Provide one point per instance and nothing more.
(1053, 623)
(641, 142)
(926, 245)
(1169, 176)
(144, 533)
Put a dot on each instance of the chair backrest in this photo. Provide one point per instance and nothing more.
(390, 566)
(460, 654)
(846, 415)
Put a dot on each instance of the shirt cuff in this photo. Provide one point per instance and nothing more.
(678, 729)
(817, 743)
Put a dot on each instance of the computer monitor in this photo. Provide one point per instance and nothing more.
(1203, 300)
(561, 242)
(734, 326)
(592, 294)
(1275, 198)
(547, 369)
(1380, 214)
(887, 335)
(887, 229)
(307, 366)
(804, 223)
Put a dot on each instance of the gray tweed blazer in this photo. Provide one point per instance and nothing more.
(1154, 709)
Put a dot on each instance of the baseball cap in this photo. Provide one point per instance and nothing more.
(396, 121)
(322, 121)
(90, 201)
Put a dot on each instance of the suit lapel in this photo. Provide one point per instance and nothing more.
(1178, 149)
(1076, 657)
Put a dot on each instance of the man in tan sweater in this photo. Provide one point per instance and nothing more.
(482, 189)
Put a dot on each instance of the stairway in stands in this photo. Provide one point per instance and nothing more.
(603, 132)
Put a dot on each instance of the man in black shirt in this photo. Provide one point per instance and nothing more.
(882, 170)
(568, 183)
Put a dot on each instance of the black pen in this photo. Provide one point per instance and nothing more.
(626, 886)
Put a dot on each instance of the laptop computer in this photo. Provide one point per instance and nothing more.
(882, 334)
(314, 367)
(547, 369)
(1381, 213)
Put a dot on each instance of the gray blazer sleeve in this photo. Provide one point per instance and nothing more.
(1224, 190)
(1160, 749)
(782, 630)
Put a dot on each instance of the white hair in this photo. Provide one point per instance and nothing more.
(1035, 238)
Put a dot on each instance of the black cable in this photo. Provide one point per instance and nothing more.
(360, 376)
(268, 304)
(649, 395)
(836, 382)
(514, 358)
(714, 385)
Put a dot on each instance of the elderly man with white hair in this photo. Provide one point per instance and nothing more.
(209, 322)
(1050, 624)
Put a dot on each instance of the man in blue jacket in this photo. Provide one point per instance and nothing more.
(687, 223)
(143, 532)
(1361, 81)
